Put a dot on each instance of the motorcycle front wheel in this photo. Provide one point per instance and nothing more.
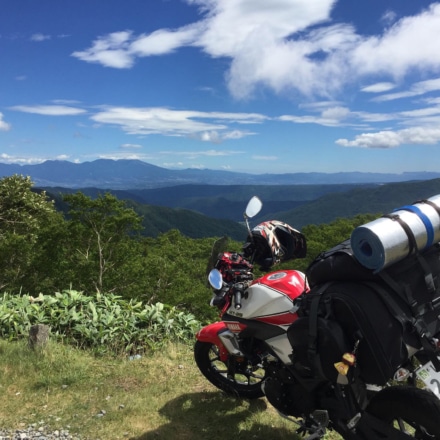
(411, 410)
(238, 377)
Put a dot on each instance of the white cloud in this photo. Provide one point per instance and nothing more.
(173, 164)
(210, 136)
(214, 127)
(21, 160)
(286, 45)
(206, 153)
(49, 110)
(4, 126)
(120, 49)
(233, 27)
(40, 37)
(237, 134)
(321, 61)
(218, 137)
(393, 139)
(339, 116)
(130, 146)
(143, 121)
(417, 89)
(168, 122)
(389, 17)
(419, 113)
(123, 155)
(163, 41)
(406, 46)
(374, 117)
(379, 87)
(110, 51)
(330, 117)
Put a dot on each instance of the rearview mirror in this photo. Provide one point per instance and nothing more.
(215, 279)
(253, 207)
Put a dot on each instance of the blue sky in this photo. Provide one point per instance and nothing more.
(257, 86)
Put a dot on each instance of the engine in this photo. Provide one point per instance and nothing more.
(284, 392)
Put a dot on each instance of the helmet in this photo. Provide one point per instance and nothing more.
(272, 242)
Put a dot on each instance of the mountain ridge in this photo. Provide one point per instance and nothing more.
(136, 174)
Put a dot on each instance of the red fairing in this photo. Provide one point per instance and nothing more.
(290, 282)
(210, 333)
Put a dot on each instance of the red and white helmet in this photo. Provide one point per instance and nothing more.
(272, 242)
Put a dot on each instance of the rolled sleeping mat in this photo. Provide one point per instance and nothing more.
(391, 238)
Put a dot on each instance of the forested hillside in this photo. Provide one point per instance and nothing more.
(227, 201)
(378, 200)
(219, 201)
(159, 219)
(299, 205)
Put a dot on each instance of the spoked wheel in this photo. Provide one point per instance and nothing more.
(411, 410)
(238, 376)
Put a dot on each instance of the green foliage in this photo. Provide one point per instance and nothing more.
(103, 323)
(175, 273)
(22, 211)
(29, 224)
(101, 237)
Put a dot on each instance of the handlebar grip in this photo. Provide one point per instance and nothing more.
(238, 299)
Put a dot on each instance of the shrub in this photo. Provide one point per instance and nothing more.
(105, 323)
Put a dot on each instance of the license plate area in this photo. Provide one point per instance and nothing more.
(431, 378)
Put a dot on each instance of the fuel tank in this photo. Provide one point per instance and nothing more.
(270, 298)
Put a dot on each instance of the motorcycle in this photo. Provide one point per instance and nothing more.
(271, 341)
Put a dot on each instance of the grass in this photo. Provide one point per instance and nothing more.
(158, 396)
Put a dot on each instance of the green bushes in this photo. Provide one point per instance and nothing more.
(104, 323)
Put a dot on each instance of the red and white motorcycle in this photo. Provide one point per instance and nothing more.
(259, 348)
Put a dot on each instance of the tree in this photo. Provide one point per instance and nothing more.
(28, 221)
(175, 272)
(102, 233)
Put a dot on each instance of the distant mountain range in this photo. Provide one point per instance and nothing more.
(207, 203)
(298, 205)
(135, 174)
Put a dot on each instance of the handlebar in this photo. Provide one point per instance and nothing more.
(238, 290)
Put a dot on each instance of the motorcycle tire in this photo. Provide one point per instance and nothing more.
(245, 383)
(410, 409)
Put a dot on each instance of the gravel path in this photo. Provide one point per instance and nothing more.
(37, 431)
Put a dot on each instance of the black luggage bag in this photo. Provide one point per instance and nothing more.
(385, 317)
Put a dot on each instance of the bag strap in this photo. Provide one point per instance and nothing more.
(430, 203)
(425, 220)
(403, 290)
(417, 323)
(409, 233)
(312, 352)
(429, 278)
